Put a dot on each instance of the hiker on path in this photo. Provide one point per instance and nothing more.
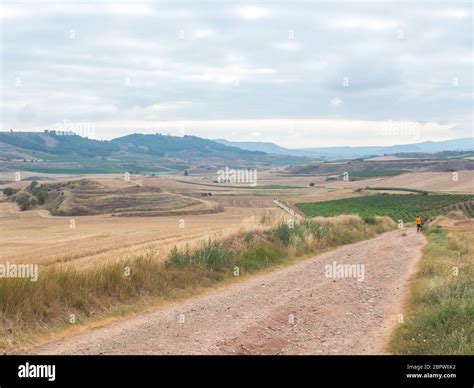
(419, 223)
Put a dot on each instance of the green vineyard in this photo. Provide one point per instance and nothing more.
(404, 207)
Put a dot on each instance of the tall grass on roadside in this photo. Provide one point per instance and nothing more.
(28, 308)
(439, 316)
(62, 293)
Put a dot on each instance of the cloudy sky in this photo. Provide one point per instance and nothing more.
(300, 74)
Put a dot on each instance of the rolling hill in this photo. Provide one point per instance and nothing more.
(50, 142)
(52, 152)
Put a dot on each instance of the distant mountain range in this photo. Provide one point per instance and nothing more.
(466, 144)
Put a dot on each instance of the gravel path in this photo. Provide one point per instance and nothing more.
(293, 310)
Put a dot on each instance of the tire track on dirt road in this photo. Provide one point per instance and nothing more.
(292, 310)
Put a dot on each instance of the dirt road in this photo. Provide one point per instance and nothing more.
(294, 310)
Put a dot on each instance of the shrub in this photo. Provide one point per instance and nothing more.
(23, 199)
(9, 191)
(370, 220)
(41, 197)
(260, 257)
(284, 232)
(211, 254)
(177, 258)
(33, 186)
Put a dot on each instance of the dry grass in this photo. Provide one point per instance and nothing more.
(439, 310)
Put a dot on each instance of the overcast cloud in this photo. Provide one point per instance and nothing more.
(300, 74)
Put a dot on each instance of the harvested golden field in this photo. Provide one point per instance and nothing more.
(429, 181)
(37, 237)
(432, 181)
